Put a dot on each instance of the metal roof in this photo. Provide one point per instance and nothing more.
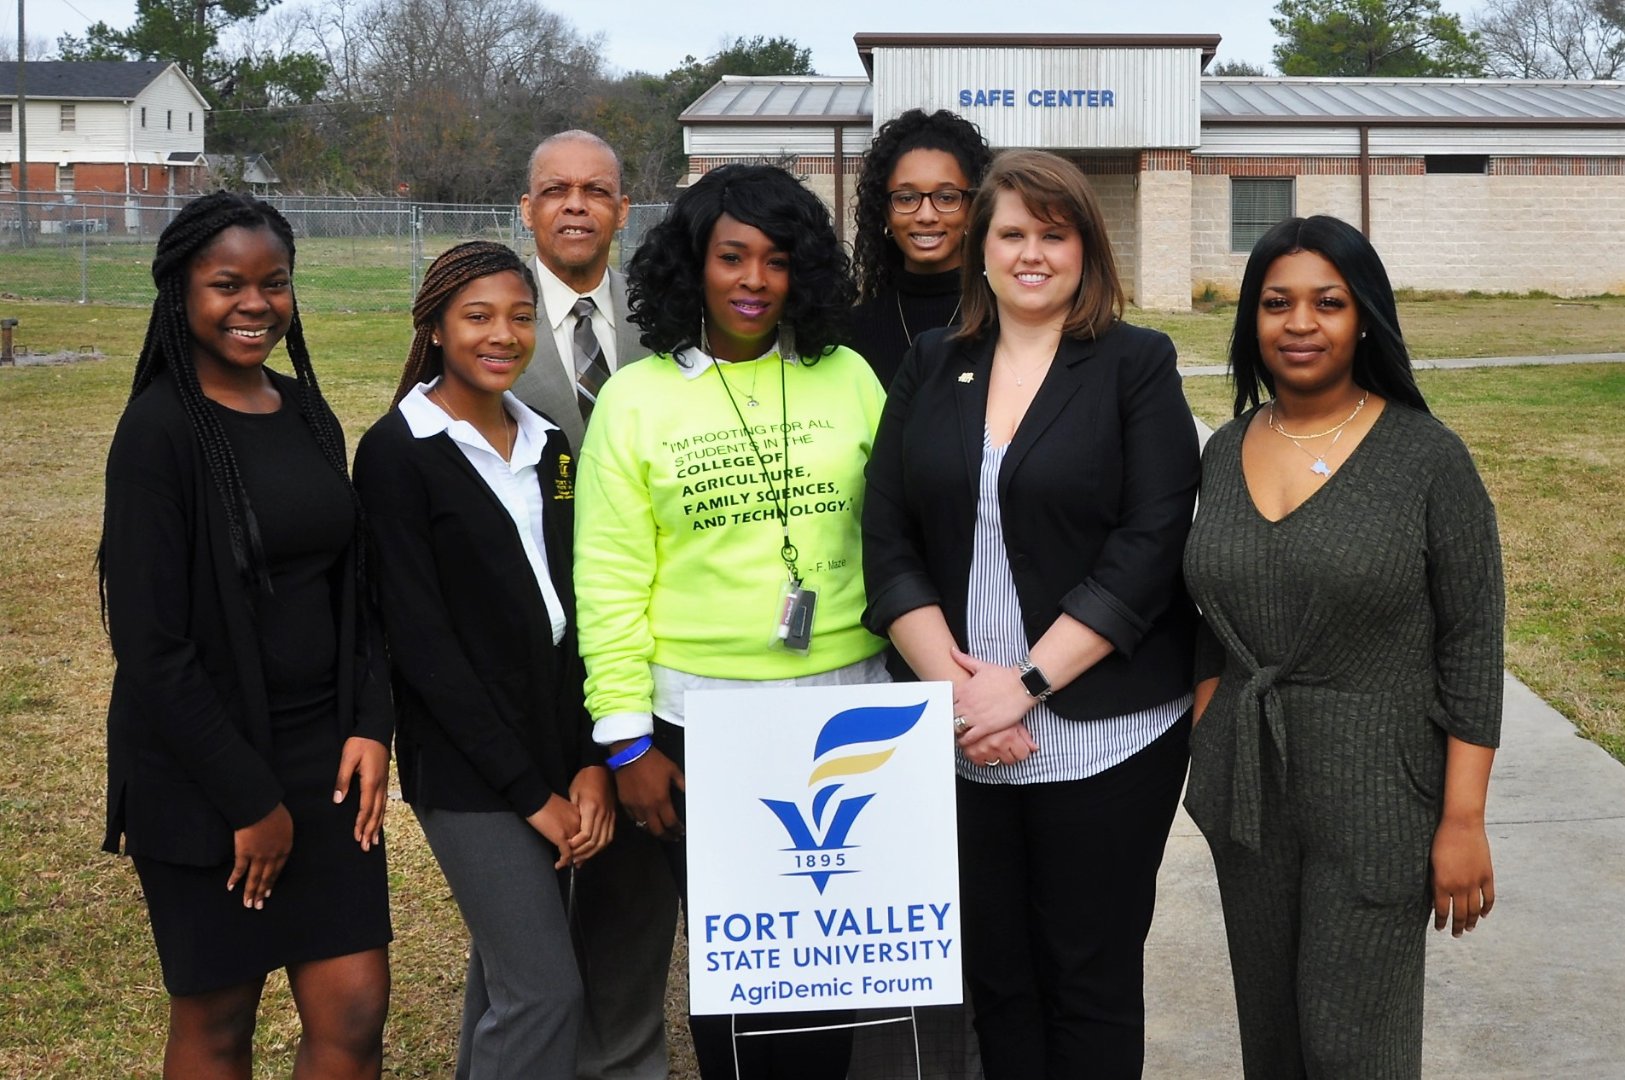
(1411, 102)
(790, 99)
(817, 99)
(119, 80)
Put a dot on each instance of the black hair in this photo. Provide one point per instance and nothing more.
(1382, 364)
(666, 280)
(875, 258)
(446, 276)
(168, 347)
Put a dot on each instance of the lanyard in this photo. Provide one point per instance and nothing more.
(781, 501)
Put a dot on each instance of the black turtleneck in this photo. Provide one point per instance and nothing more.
(884, 328)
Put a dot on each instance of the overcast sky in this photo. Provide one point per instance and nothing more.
(655, 35)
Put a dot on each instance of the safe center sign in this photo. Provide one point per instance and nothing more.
(823, 867)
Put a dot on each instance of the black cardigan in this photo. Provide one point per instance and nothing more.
(490, 710)
(188, 723)
(1096, 493)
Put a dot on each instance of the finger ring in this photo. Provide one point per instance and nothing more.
(961, 725)
(641, 824)
(990, 762)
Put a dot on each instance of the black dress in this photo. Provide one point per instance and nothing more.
(331, 898)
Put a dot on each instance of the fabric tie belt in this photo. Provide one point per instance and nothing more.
(1247, 773)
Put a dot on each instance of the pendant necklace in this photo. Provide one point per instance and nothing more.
(908, 337)
(1021, 377)
(440, 399)
(705, 347)
(1317, 464)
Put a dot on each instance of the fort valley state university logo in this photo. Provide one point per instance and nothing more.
(852, 743)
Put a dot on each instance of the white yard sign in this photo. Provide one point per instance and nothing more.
(823, 871)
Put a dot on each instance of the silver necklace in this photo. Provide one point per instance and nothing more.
(1021, 377)
(440, 399)
(705, 347)
(908, 337)
(1317, 464)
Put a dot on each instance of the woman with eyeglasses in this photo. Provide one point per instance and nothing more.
(913, 197)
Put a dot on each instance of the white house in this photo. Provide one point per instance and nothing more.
(103, 131)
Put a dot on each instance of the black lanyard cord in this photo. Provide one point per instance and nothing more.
(781, 503)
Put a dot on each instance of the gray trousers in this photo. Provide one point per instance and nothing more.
(522, 1003)
(1328, 981)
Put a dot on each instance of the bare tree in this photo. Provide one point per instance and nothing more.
(1552, 39)
(38, 48)
(467, 87)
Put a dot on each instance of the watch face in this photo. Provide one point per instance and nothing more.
(1034, 681)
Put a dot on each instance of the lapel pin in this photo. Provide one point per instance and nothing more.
(967, 376)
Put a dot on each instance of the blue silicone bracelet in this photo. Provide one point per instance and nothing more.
(638, 748)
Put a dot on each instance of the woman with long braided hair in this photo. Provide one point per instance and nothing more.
(249, 724)
(469, 498)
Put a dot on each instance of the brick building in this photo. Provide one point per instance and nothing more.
(1493, 185)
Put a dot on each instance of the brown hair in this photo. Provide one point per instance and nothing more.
(1054, 189)
(445, 277)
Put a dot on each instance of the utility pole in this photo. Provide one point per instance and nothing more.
(22, 131)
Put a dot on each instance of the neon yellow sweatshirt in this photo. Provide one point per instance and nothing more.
(677, 537)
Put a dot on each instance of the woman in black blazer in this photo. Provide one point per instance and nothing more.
(249, 724)
(469, 497)
(1028, 498)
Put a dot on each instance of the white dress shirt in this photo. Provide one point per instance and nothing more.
(557, 300)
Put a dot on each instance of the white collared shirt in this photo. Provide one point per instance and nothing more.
(514, 482)
(557, 300)
(694, 361)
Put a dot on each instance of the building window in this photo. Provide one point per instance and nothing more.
(64, 177)
(188, 121)
(1255, 206)
(1462, 164)
(169, 120)
(5, 119)
(69, 117)
(5, 176)
(143, 116)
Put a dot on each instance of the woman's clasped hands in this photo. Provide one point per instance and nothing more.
(993, 703)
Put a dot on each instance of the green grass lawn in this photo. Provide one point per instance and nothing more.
(364, 273)
(79, 985)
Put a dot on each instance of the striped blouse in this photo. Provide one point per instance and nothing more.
(1067, 749)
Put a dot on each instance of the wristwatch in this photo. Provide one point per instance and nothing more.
(1035, 681)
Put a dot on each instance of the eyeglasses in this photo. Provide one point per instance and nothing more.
(945, 200)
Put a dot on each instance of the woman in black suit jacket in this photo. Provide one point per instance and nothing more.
(1028, 499)
(469, 496)
(249, 724)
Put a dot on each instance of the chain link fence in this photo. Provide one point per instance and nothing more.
(355, 254)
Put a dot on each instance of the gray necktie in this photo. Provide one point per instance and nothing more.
(591, 367)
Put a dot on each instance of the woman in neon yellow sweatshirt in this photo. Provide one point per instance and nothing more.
(720, 488)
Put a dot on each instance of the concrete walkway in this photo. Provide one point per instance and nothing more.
(1462, 362)
(1535, 993)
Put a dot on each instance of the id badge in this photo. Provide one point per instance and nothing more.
(794, 629)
